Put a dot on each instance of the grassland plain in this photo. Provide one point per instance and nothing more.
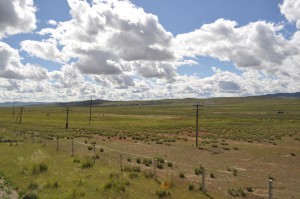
(243, 142)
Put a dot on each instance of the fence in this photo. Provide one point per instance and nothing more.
(202, 177)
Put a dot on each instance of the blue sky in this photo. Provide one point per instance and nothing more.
(123, 50)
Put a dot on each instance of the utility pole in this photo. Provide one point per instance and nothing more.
(13, 109)
(197, 116)
(90, 110)
(21, 113)
(67, 121)
(20, 116)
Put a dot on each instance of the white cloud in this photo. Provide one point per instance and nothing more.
(108, 36)
(12, 68)
(112, 49)
(52, 22)
(291, 10)
(257, 45)
(16, 16)
(67, 77)
(46, 50)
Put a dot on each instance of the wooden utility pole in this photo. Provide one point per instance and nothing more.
(90, 110)
(197, 116)
(13, 109)
(67, 120)
(20, 115)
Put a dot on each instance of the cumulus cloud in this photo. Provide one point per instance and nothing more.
(105, 34)
(112, 49)
(52, 22)
(12, 68)
(115, 81)
(46, 50)
(255, 45)
(291, 10)
(16, 16)
(67, 77)
(98, 62)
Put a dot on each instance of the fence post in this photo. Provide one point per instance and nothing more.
(94, 148)
(155, 165)
(57, 144)
(203, 179)
(121, 164)
(17, 138)
(270, 189)
(72, 147)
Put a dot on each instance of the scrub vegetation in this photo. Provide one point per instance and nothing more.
(242, 141)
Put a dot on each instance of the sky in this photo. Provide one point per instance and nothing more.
(69, 50)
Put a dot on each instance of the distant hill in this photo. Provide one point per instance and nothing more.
(8, 104)
(99, 102)
(95, 102)
(294, 95)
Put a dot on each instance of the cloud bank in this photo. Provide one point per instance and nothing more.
(112, 49)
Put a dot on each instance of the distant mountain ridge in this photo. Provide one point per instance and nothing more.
(294, 95)
(98, 102)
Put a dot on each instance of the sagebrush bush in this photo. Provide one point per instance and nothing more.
(87, 163)
(162, 193)
(39, 168)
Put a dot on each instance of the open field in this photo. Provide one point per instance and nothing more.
(243, 142)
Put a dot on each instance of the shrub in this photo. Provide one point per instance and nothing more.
(249, 189)
(236, 192)
(226, 148)
(198, 171)
(148, 174)
(76, 160)
(128, 159)
(162, 193)
(212, 175)
(132, 169)
(90, 148)
(33, 186)
(147, 162)
(51, 185)
(30, 196)
(160, 159)
(170, 164)
(234, 171)
(293, 154)
(181, 175)
(116, 185)
(133, 175)
(101, 150)
(43, 167)
(191, 187)
(138, 160)
(39, 168)
(160, 165)
(88, 163)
